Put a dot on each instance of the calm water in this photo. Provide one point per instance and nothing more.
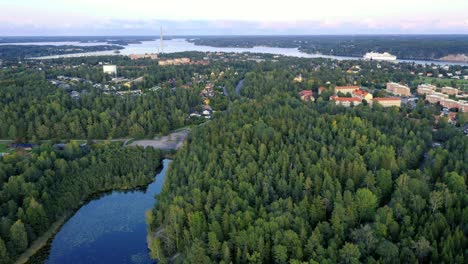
(181, 45)
(110, 229)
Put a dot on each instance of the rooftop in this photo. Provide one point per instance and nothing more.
(387, 99)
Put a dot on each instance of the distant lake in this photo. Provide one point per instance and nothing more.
(110, 229)
(181, 45)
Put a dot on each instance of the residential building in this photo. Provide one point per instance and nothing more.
(208, 91)
(388, 101)
(320, 90)
(427, 86)
(449, 90)
(346, 101)
(398, 89)
(152, 56)
(298, 78)
(463, 107)
(435, 97)
(346, 89)
(307, 95)
(363, 95)
(449, 103)
(421, 90)
(110, 69)
(178, 61)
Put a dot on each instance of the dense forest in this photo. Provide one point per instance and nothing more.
(9, 52)
(422, 47)
(275, 180)
(270, 179)
(45, 185)
(33, 109)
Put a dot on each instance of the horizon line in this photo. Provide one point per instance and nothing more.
(246, 35)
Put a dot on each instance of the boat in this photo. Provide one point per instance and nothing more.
(380, 56)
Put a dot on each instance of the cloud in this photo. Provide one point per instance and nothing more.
(106, 26)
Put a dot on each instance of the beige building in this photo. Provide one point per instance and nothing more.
(398, 89)
(449, 90)
(110, 69)
(435, 97)
(346, 89)
(179, 61)
(449, 103)
(363, 95)
(152, 56)
(427, 86)
(346, 101)
(388, 101)
(463, 107)
(426, 89)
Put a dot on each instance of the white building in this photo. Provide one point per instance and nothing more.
(110, 69)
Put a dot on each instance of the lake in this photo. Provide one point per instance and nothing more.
(108, 229)
(181, 45)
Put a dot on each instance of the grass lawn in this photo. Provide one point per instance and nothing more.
(4, 148)
(461, 84)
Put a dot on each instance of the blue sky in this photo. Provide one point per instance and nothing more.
(210, 17)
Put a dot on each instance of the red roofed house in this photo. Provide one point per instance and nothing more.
(346, 89)
(362, 95)
(346, 101)
(307, 95)
(320, 90)
(388, 101)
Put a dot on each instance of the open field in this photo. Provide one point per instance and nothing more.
(173, 141)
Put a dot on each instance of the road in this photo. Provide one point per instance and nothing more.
(239, 87)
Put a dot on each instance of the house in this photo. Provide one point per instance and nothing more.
(25, 146)
(75, 95)
(307, 96)
(346, 101)
(363, 95)
(320, 90)
(208, 91)
(346, 89)
(452, 118)
(388, 101)
(298, 78)
(195, 115)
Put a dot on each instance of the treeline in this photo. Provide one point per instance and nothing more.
(39, 188)
(422, 47)
(279, 181)
(19, 52)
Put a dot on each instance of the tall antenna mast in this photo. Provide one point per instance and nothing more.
(161, 49)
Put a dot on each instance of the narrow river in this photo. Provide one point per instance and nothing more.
(109, 229)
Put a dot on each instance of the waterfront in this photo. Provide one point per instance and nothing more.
(182, 45)
(108, 229)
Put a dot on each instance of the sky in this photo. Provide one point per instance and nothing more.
(240, 17)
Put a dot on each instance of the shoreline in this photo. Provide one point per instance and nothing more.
(305, 54)
(46, 239)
